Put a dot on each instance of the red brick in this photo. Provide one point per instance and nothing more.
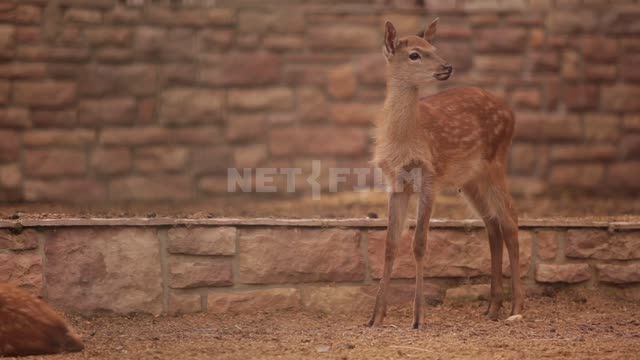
(178, 74)
(619, 274)
(281, 20)
(537, 126)
(497, 40)
(214, 160)
(548, 242)
(526, 98)
(221, 16)
(498, 63)
(581, 176)
(216, 39)
(28, 14)
(567, 273)
(15, 118)
(110, 161)
(202, 241)
(245, 126)
(602, 245)
(318, 141)
(250, 156)
(630, 146)
(53, 118)
(354, 113)
(100, 36)
(160, 159)
(248, 301)
(85, 16)
(275, 98)
(23, 269)
(49, 93)
(545, 61)
(371, 70)
(10, 176)
(106, 112)
(342, 82)
(622, 20)
(101, 80)
(320, 255)
(145, 114)
(114, 55)
(122, 15)
(566, 152)
(284, 42)
(305, 75)
(191, 105)
(49, 137)
(243, 69)
(67, 190)
(312, 104)
(621, 98)
(51, 162)
(184, 303)
(524, 158)
(126, 260)
(624, 176)
(26, 240)
(341, 36)
(572, 22)
(194, 273)
(599, 49)
(581, 97)
(164, 187)
(23, 70)
(630, 67)
(600, 72)
(601, 127)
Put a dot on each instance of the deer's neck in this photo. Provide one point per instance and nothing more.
(400, 115)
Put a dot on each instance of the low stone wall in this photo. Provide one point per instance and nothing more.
(218, 265)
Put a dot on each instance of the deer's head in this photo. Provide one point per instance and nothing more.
(413, 60)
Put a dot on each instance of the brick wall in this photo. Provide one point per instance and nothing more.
(107, 100)
(219, 265)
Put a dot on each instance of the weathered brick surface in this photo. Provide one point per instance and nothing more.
(565, 273)
(54, 162)
(253, 301)
(23, 269)
(193, 273)
(299, 255)
(298, 81)
(599, 244)
(25, 240)
(448, 253)
(184, 303)
(202, 241)
(86, 267)
(619, 274)
(548, 243)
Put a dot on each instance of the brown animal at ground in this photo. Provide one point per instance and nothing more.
(28, 326)
(459, 137)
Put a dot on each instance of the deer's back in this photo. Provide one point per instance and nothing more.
(28, 326)
(466, 120)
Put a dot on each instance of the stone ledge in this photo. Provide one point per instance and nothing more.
(348, 223)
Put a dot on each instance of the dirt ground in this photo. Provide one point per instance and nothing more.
(341, 205)
(570, 325)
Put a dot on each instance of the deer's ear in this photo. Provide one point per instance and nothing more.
(430, 32)
(390, 39)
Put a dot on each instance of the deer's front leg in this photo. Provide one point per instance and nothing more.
(425, 206)
(398, 201)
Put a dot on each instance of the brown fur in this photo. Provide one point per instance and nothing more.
(459, 137)
(28, 326)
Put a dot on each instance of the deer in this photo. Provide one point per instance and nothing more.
(28, 326)
(458, 137)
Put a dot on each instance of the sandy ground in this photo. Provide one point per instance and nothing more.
(570, 325)
(448, 205)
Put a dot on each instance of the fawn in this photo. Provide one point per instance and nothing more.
(458, 137)
(28, 326)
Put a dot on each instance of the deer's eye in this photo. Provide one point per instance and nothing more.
(414, 56)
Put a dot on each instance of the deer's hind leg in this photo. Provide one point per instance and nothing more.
(489, 195)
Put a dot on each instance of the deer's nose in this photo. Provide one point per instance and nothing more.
(447, 67)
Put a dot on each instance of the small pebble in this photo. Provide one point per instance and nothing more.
(514, 318)
(372, 215)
